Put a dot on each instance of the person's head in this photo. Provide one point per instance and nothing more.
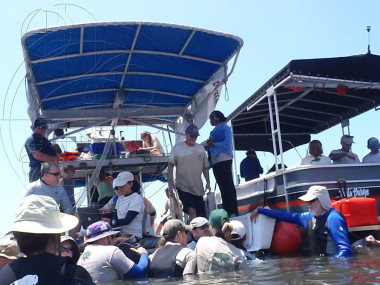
(199, 227)
(192, 134)
(217, 117)
(100, 233)
(318, 199)
(374, 145)
(57, 150)
(217, 219)
(175, 231)
(315, 148)
(40, 126)
(238, 233)
(346, 141)
(124, 182)
(69, 171)
(69, 248)
(9, 251)
(38, 224)
(251, 152)
(50, 173)
(146, 136)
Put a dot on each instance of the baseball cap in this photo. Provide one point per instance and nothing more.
(347, 139)
(198, 222)
(319, 192)
(171, 228)
(9, 250)
(192, 130)
(373, 144)
(217, 218)
(238, 230)
(39, 122)
(99, 230)
(122, 179)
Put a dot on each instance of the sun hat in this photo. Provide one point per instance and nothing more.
(172, 227)
(347, 139)
(99, 230)
(9, 250)
(238, 229)
(192, 130)
(40, 215)
(198, 222)
(217, 218)
(122, 179)
(319, 192)
(373, 144)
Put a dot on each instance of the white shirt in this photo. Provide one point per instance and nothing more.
(372, 158)
(311, 160)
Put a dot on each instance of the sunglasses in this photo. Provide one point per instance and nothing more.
(312, 201)
(66, 249)
(143, 137)
(205, 226)
(54, 173)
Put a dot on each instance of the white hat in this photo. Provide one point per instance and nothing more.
(238, 229)
(198, 222)
(122, 179)
(319, 192)
(40, 215)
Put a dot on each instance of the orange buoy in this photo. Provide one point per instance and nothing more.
(286, 238)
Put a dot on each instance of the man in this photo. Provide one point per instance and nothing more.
(327, 226)
(9, 252)
(190, 161)
(344, 155)
(39, 149)
(130, 208)
(374, 156)
(199, 228)
(106, 262)
(48, 186)
(250, 167)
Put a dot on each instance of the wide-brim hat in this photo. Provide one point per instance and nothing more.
(122, 179)
(99, 230)
(319, 192)
(40, 215)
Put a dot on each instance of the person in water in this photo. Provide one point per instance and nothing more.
(328, 228)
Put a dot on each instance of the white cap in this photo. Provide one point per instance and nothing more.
(238, 229)
(319, 192)
(198, 222)
(122, 179)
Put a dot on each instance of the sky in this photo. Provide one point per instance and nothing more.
(274, 33)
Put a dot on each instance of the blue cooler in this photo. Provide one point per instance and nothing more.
(97, 149)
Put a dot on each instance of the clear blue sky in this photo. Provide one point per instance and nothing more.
(274, 32)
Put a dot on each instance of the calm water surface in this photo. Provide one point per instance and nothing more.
(363, 268)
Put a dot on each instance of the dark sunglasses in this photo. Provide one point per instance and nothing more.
(143, 137)
(66, 249)
(54, 173)
(312, 201)
(42, 127)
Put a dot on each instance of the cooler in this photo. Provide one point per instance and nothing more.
(358, 211)
(97, 149)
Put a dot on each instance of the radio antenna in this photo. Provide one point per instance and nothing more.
(369, 39)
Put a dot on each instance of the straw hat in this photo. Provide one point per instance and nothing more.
(40, 215)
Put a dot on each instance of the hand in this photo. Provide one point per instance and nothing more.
(171, 188)
(253, 215)
(370, 239)
(140, 250)
(210, 142)
(350, 155)
(208, 187)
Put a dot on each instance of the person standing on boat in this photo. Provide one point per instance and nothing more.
(374, 156)
(39, 149)
(250, 167)
(190, 160)
(344, 155)
(151, 143)
(315, 156)
(68, 182)
(328, 228)
(220, 150)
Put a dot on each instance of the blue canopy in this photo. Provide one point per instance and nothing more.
(122, 73)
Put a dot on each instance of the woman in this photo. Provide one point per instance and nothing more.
(215, 253)
(220, 150)
(315, 157)
(68, 183)
(151, 143)
(238, 238)
(69, 249)
(104, 187)
(172, 258)
(37, 227)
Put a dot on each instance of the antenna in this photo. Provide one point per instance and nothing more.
(369, 40)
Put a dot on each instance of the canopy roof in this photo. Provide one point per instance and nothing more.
(149, 73)
(312, 96)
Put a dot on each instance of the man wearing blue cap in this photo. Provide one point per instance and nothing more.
(374, 156)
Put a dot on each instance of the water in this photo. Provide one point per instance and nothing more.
(363, 268)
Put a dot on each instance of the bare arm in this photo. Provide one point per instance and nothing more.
(207, 177)
(171, 178)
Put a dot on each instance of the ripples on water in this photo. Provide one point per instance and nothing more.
(363, 268)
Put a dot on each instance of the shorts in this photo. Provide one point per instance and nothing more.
(192, 201)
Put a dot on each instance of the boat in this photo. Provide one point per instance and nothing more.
(119, 75)
(304, 98)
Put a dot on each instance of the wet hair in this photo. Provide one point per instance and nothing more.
(315, 148)
(30, 243)
(218, 116)
(227, 231)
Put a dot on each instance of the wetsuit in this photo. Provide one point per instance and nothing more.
(164, 263)
(333, 241)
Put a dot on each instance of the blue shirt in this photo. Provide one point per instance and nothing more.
(250, 168)
(38, 143)
(222, 136)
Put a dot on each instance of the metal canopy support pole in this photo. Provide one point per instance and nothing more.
(268, 94)
(237, 180)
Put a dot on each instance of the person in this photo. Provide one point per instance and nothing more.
(199, 228)
(68, 183)
(374, 156)
(328, 228)
(104, 188)
(48, 186)
(106, 262)
(220, 150)
(36, 228)
(250, 167)
(151, 143)
(177, 205)
(129, 206)
(9, 252)
(315, 156)
(190, 161)
(344, 155)
(238, 238)
(215, 253)
(172, 258)
(39, 149)
(69, 249)
(149, 217)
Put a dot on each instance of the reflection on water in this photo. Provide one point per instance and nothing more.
(362, 268)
